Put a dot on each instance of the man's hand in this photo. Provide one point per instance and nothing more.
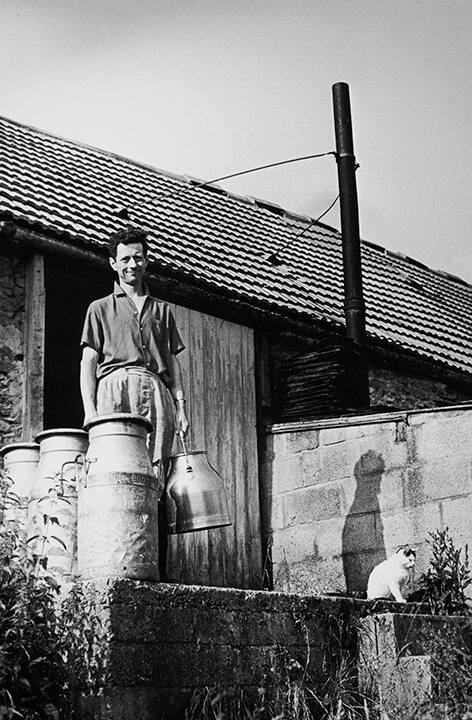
(181, 418)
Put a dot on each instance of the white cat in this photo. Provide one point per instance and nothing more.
(390, 576)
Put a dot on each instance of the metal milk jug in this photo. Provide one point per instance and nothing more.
(195, 495)
(20, 461)
(118, 501)
(52, 516)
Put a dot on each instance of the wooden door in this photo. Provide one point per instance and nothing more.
(218, 367)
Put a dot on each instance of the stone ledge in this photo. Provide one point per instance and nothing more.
(170, 595)
(351, 420)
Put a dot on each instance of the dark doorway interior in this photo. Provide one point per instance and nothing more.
(70, 287)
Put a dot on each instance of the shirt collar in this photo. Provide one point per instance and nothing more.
(119, 292)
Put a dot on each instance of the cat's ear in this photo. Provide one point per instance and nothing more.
(407, 551)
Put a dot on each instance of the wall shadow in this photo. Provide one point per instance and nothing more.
(363, 543)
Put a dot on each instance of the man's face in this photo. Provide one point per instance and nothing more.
(130, 263)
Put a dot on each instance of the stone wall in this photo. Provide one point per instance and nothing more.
(396, 388)
(160, 644)
(339, 496)
(12, 295)
(164, 642)
(416, 666)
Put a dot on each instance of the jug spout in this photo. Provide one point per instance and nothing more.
(195, 495)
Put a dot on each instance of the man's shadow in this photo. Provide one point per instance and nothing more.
(363, 543)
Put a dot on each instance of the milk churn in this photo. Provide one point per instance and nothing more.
(118, 496)
(20, 461)
(52, 517)
(195, 495)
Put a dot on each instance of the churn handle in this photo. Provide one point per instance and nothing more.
(181, 436)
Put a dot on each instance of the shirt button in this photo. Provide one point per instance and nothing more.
(144, 347)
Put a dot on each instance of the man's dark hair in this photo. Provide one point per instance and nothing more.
(127, 236)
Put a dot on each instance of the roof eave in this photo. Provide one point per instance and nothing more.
(180, 286)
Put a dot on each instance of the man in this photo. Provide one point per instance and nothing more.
(130, 344)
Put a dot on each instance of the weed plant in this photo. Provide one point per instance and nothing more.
(287, 691)
(33, 673)
(36, 637)
(443, 586)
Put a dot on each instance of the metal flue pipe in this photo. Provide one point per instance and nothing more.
(354, 308)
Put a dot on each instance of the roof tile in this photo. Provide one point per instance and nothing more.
(226, 241)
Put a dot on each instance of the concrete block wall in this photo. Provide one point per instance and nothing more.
(339, 496)
(162, 642)
(165, 641)
(12, 298)
(416, 666)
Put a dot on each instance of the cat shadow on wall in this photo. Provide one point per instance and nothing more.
(363, 544)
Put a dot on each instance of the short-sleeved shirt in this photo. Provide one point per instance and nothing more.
(123, 337)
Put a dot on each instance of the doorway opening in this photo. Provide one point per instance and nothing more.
(70, 288)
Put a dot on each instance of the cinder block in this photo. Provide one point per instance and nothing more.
(397, 654)
(360, 496)
(417, 419)
(359, 533)
(394, 454)
(294, 543)
(287, 473)
(279, 442)
(457, 516)
(442, 435)
(411, 525)
(391, 490)
(313, 576)
(277, 515)
(423, 554)
(336, 435)
(338, 461)
(312, 468)
(310, 504)
(301, 440)
(443, 478)
(400, 684)
(372, 429)
(151, 623)
(329, 537)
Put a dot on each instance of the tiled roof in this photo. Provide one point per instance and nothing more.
(224, 241)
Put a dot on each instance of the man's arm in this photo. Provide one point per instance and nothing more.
(178, 393)
(88, 382)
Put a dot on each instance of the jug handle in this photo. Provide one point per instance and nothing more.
(79, 463)
(187, 462)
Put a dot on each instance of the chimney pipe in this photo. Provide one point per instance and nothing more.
(354, 308)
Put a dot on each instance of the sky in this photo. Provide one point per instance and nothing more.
(211, 87)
